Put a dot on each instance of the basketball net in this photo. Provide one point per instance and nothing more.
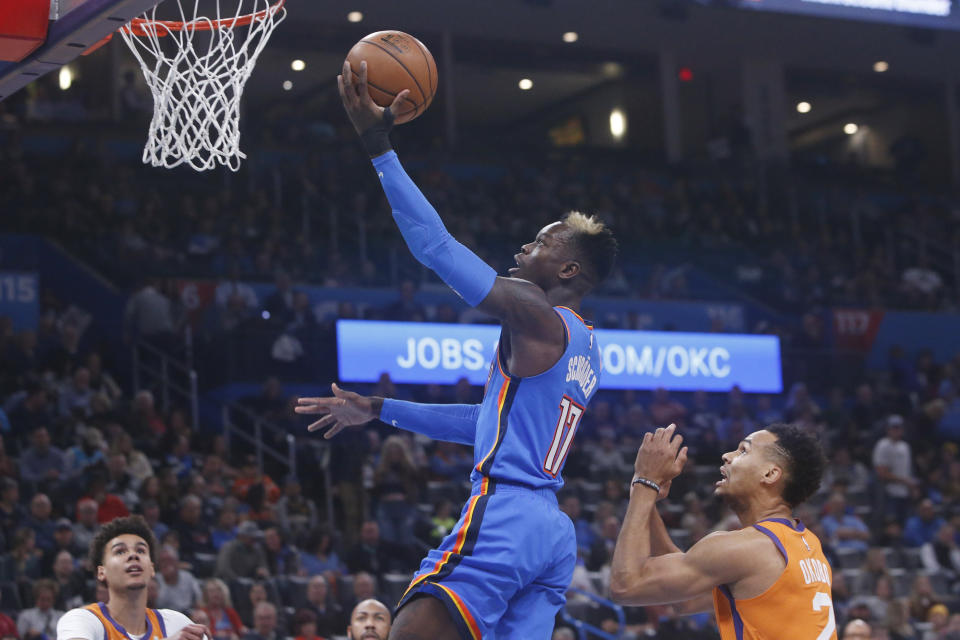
(196, 69)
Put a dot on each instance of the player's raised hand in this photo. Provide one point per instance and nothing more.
(661, 457)
(364, 113)
(192, 632)
(343, 410)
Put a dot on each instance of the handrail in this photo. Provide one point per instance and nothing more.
(231, 430)
(171, 377)
(585, 627)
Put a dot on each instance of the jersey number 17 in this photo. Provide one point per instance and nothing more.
(570, 414)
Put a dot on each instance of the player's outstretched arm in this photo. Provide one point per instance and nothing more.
(521, 304)
(448, 422)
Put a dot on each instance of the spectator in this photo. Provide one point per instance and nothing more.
(63, 540)
(109, 506)
(249, 475)
(147, 424)
(149, 314)
(243, 557)
(42, 464)
(151, 513)
(364, 588)
(318, 555)
(922, 597)
(327, 615)
(941, 555)
(295, 514)
(893, 466)
(195, 535)
(179, 590)
(86, 526)
(40, 521)
(396, 482)
(922, 527)
(101, 381)
(256, 594)
(88, 454)
(225, 623)
(450, 461)
(376, 556)
(264, 623)
(938, 617)
(305, 626)
(665, 410)
(31, 414)
(406, 309)
(69, 581)
(841, 469)
(601, 553)
(281, 558)
(226, 529)
(844, 529)
(40, 621)
(138, 465)
(76, 395)
(570, 505)
(12, 513)
(8, 627)
(23, 562)
(876, 603)
(608, 461)
(369, 619)
(120, 482)
(279, 303)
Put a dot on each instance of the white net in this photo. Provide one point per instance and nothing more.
(196, 69)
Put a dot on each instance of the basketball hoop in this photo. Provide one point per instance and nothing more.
(196, 69)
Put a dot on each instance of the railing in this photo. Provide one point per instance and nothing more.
(172, 378)
(584, 628)
(244, 425)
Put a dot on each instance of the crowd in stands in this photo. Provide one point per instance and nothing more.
(259, 557)
(317, 215)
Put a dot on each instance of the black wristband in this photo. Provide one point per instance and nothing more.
(647, 483)
(376, 139)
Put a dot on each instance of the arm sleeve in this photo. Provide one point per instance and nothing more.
(79, 624)
(447, 422)
(428, 239)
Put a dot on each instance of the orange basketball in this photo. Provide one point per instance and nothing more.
(396, 61)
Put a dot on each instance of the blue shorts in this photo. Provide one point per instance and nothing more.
(504, 570)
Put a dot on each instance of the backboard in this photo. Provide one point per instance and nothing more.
(75, 26)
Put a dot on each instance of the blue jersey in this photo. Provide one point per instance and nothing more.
(526, 426)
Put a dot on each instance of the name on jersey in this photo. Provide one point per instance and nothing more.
(814, 571)
(580, 370)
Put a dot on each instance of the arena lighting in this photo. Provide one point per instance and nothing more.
(525, 84)
(355, 16)
(618, 124)
(287, 85)
(685, 74)
(803, 107)
(66, 77)
(298, 65)
(571, 36)
(881, 66)
(850, 128)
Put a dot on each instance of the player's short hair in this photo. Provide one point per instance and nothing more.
(594, 242)
(803, 458)
(132, 525)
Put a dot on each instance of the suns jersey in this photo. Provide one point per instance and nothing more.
(94, 622)
(798, 606)
(526, 426)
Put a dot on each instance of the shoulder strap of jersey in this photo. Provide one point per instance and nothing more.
(95, 609)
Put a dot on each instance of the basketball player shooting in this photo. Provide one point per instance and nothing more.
(504, 570)
(766, 581)
(123, 554)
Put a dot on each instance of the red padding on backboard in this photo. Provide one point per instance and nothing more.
(23, 27)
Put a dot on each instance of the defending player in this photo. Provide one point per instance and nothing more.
(123, 552)
(506, 567)
(767, 581)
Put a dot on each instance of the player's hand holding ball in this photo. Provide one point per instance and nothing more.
(660, 458)
(388, 78)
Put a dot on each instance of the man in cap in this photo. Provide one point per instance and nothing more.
(243, 557)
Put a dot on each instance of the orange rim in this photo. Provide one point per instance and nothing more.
(143, 27)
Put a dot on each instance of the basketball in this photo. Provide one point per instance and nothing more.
(396, 61)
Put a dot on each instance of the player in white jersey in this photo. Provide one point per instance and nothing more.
(123, 553)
